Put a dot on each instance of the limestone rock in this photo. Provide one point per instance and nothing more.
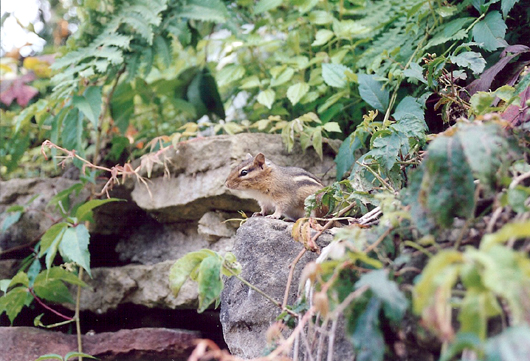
(212, 226)
(265, 249)
(146, 285)
(28, 343)
(153, 243)
(199, 168)
(34, 222)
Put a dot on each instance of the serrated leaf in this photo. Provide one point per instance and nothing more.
(372, 92)
(205, 10)
(453, 30)
(283, 78)
(394, 301)
(163, 50)
(122, 105)
(487, 151)
(53, 290)
(90, 104)
(322, 37)
(250, 82)
(332, 127)
(50, 241)
(209, 281)
(513, 230)
(368, 338)
(229, 74)
(446, 187)
(320, 17)
(266, 5)
(409, 107)
(415, 72)
(506, 6)
(85, 210)
(334, 75)
(490, 31)
(481, 102)
(266, 98)
(296, 91)
(21, 278)
(72, 135)
(74, 246)
(471, 60)
(184, 267)
(12, 302)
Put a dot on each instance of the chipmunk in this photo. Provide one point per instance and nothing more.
(281, 190)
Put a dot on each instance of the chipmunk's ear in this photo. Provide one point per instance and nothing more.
(259, 160)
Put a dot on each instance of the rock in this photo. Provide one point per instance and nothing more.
(28, 343)
(199, 168)
(34, 193)
(146, 285)
(265, 249)
(212, 226)
(154, 243)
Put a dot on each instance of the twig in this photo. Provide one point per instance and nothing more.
(77, 319)
(48, 307)
(331, 339)
(379, 240)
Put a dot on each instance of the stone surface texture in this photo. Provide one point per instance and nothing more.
(137, 241)
(265, 249)
(28, 343)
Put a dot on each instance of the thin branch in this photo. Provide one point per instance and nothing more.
(48, 307)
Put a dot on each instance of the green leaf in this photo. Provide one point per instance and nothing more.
(296, 91)
(53, 290)
(394, 301)
(12, 218)
(481, 102)
(514, 230)
(62, 199)
(506, 6)
(90, 104)
(210, 282)
(409, 107)
(266, 97)
(513, 344)
(59, 273)
(12, 302)
(332, 127)
(184, 267)
(487, 151)
(461, 342)
(334, 75)
(163, 50)
(471, 60)
(21, 278)
(74, 246)
(72, 135)
(52, 235)
(490, 31)
(320, 17)
(368, 338)
(453, 30)
(229, 74)
(49, 356)
(322, 37)
(446, 188)
(70, 355)
(415, 72)
(250, 82)
(372, 92)
(283, 78)
(122, 105)
(266, 5)
(346, 156)
(84, 212)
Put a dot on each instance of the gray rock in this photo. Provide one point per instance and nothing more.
(213, 226)
(38, 217)
(146, 285)
(265, 249)
(199, 168)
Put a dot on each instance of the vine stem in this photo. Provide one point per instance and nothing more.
(32, 292)
(76, 316)
(250, 285)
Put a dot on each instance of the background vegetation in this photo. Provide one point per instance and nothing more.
(431, 99)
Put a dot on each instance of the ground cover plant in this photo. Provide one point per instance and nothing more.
(430, 98)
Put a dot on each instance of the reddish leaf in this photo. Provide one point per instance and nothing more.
(484, 82)
(518, 114)
(17, 89)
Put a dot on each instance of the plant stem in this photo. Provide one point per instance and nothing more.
(48, 307)
(77, 318)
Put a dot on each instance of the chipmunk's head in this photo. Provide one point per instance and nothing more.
(251, 173)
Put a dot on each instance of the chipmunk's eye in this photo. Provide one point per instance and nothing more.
(243, 172)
